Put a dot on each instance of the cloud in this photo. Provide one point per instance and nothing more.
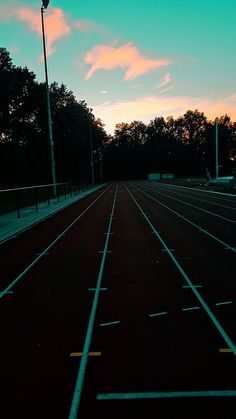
(231, 98)
(126, 56)
(166, 80)
(89, 26)
(56, 25)
(147, 108)
(166, 89)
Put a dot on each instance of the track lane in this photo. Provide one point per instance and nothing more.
(204, 259)
(172, 351)
(25, 252)
(213, 227)
(45, 321)
(220, 200)
(149, 333)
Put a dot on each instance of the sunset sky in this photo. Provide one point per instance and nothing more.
(131, 59)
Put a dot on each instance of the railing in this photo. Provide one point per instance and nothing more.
(16, 199)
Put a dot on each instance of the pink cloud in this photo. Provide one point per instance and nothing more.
(148, 107)
(55, 22)
(126, 56)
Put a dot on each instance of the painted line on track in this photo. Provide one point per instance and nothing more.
(84, 359)
(223, 303)
(191, 205)
(78, 354)
(204, 200)
(211, 315)
(20, 276)
(109, 323)
(200, 190)
(94, 289)
(226, 246)
(166, 395)
(158, 314)
(191, 308)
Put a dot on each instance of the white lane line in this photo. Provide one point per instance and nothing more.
(223, 303)
(195, 286)
(166, 395)
(193, 206)
(205, 201)
(211, 315)
(109, 323)
(201, 191)
(226, 246)
(8, 288)
(158, 314)
(94, 289)
(84, 359)
(191, 308)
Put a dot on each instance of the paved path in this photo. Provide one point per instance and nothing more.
(122, 306)
(11, 225)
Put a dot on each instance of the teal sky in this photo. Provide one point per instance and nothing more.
(131, 59)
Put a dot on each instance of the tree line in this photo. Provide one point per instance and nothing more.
(24, 144)
(184, 146)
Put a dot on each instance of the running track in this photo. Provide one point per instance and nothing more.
(122, 306)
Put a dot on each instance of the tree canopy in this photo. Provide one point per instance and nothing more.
(184, 146)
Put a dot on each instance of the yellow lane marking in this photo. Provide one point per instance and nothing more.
(225, 350)
(90, 354)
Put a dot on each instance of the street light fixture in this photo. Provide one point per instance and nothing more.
(51, 144)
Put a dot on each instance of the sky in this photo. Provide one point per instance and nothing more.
(131, 59)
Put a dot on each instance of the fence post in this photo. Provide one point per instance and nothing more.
(48, 191)
(17, 203)
(58, 193)
(36, 199)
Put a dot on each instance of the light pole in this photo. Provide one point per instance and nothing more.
(217, 148)
(101, 168)
(91, 146)
(51, 144)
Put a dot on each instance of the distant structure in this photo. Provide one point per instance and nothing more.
(154, 176)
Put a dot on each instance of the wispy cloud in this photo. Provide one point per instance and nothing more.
(166, 80)
(55, 21)
(166, 89)
(126, 56)
(85, 25)
(147, 108)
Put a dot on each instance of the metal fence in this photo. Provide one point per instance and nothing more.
(15, 199)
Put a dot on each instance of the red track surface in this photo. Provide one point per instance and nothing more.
(153, 333)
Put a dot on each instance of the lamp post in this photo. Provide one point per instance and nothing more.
(91, 146)
(101, 168)
(51, 144)
(217, 148)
